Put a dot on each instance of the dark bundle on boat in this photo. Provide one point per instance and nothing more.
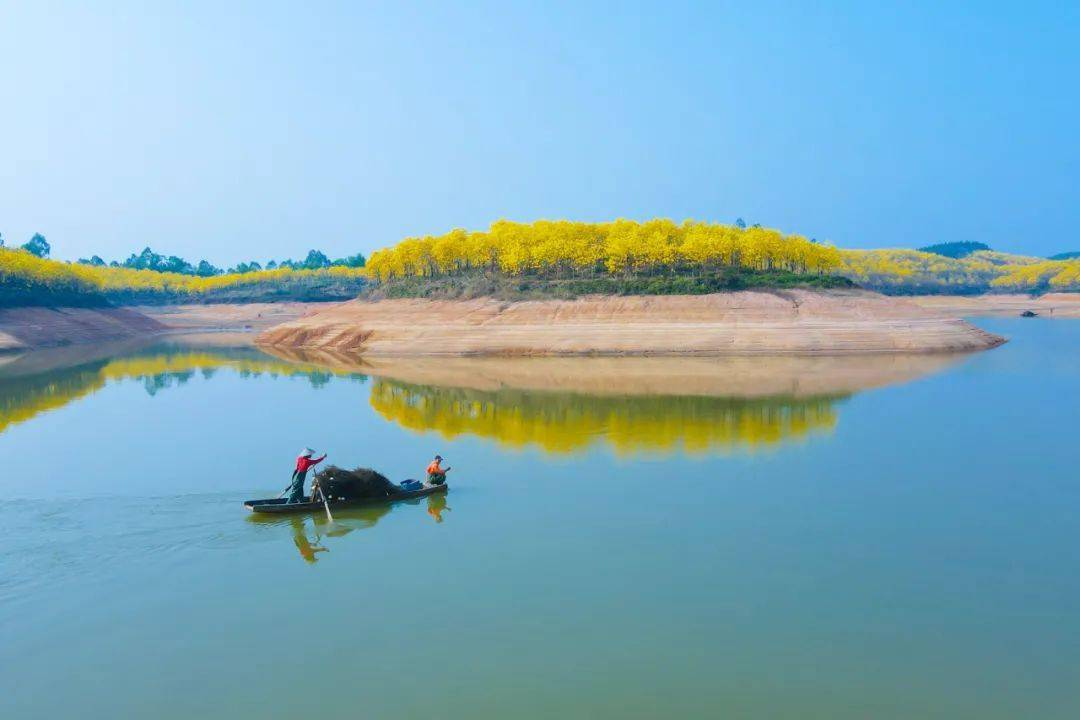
(359, 484)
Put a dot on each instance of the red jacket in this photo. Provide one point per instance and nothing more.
(304, 462)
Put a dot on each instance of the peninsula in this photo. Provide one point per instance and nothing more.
(736, 323)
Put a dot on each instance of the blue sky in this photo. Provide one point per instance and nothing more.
(235, 131)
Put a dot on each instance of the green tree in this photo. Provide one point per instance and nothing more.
(955, 249)
(38, 245)
(242, 268)
(315, 260)
(353, 261)
(205, 269)
(146, 260)
(176, 265)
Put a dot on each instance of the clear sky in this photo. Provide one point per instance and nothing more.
(238, 131)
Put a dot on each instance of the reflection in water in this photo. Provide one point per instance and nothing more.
(568, 422)
(728, 376)
(35, 383)
(561, 405)
(346, 520)
(436, 506)
(23, 398)
(306, 547)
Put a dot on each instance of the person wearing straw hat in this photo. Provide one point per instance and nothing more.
(299, 476)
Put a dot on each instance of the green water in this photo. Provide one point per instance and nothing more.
(909, 551)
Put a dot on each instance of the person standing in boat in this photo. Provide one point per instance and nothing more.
(299, 476)
(436, 474)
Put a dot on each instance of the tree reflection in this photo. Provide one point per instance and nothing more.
(569, 422)
(25, 392)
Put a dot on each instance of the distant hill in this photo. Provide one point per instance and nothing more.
(1066, 255)
(955, 249)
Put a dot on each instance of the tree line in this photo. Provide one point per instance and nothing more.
(917, 272)
(150, 260)
(562, 248)
(691, 250)
(627, 257)
(29, 279)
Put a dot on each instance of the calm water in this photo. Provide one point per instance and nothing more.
(899, 552)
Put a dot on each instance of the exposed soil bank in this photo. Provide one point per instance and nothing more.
(1051, 305)
(33, 328)
(245, 317)
(739, 323)
(26, 328)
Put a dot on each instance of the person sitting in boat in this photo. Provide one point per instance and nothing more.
(299, 476)
(436, 473)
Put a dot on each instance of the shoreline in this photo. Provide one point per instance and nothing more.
(1051, 305)
(25, 329)
(796, 322)
(307, 325)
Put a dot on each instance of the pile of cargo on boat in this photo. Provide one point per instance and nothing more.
(359, 484)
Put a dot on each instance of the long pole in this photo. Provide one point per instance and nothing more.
(326, 505)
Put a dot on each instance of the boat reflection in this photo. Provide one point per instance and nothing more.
(310, 532)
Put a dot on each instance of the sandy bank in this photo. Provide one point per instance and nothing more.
(741, 323)
(27, 328)
(1051, 305)
(244, 317)
(33, 328)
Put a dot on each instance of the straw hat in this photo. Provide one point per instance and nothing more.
(307, 452)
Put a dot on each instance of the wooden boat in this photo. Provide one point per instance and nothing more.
(281, 505)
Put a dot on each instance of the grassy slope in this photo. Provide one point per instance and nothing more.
(531, 287)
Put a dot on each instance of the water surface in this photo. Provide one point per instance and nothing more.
(899, 542)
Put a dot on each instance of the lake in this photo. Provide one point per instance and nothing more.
(742, 538)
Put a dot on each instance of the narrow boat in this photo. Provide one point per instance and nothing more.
(281, 505)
